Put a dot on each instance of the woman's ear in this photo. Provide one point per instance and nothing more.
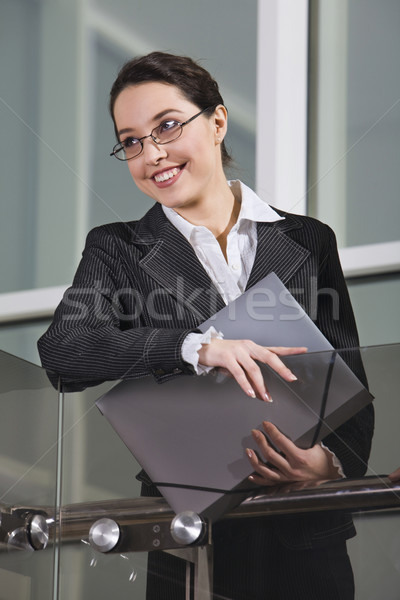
(220, 123)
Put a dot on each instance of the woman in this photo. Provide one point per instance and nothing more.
(143, 287)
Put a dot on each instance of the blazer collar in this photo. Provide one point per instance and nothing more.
(276, 251)
(171, 261)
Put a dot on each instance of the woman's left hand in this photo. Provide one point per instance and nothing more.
(295, 464)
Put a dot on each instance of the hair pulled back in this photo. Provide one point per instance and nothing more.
(194, 82)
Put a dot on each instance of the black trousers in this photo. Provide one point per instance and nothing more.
(252, 563)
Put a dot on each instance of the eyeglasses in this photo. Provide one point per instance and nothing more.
(166, 132)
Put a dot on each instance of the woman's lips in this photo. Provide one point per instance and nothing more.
(168, 176)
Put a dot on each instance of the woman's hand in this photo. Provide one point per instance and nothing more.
(395, 476)
(294, 465)
(239, 358)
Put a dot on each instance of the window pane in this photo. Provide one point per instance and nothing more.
(376, 306)
(354, 174)
(19, 43)
(373, 121)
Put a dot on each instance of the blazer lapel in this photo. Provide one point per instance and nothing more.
(173, 264)
(277, 252)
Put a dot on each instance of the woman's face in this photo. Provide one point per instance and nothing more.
(181, 174)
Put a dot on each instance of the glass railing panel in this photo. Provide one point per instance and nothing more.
(375, 555)
(99, 481)
(375, 550)
(97, 467)
(28, 480)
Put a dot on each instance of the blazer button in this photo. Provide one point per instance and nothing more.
(159, 372)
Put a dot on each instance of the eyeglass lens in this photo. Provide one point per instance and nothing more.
(168, 131)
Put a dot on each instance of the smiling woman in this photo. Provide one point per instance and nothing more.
(143, 287)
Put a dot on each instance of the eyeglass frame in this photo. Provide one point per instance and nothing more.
(119, 145)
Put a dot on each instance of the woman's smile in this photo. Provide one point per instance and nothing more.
(168, 176)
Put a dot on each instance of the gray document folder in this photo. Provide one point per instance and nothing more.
(190, 434)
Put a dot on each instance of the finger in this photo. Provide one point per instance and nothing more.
(286, 350)
(252, 385)
(249, 353)
(264, 395)
(278, 365)
(270, 454)
(239, 374)
(254, 375)
(271, 359)
(289, 449)
(263, 473)
(266, 481)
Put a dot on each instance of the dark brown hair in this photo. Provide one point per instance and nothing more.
(193, 81)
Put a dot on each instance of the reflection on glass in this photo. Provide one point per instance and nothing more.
(28, 478)
(106, 460)
(28, 484)
(373, 121)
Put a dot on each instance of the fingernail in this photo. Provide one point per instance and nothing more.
(292, 377)
(254, 433)
(251, 393)
(251, 477)
(267, 397)
(249, 453)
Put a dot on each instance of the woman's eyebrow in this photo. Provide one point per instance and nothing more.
(156, 117)
(162, 114)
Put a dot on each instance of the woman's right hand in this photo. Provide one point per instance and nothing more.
(239, 358)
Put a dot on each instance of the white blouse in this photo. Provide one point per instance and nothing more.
(229, 276)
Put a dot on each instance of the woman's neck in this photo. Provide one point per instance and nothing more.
(218, 213)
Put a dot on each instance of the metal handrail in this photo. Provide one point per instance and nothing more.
(365, 494)
(145, 522)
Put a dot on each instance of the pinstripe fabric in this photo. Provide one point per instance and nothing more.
(139, 290)
(251, 563)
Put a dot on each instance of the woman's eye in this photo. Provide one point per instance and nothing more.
(130, 142)
(167, 126)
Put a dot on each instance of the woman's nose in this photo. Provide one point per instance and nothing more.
(152, 151)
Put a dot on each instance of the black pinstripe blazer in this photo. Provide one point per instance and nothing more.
(140, 289)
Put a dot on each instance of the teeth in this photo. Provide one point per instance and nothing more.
(166, 175)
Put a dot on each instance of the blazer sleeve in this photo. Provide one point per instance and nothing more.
(100, 331)
(351, 442)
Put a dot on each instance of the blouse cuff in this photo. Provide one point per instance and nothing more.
(335, 461)
(193, 343)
